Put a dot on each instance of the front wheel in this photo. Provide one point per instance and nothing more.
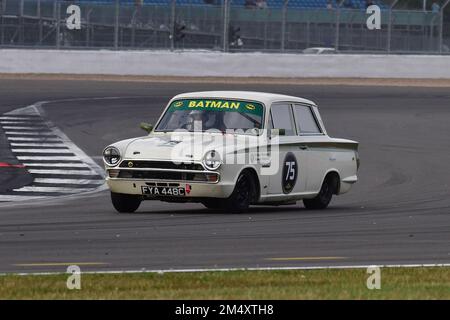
(242, 195)
(125, 203)
(322, 200)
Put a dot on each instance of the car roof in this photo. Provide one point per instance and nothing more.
(264, 97)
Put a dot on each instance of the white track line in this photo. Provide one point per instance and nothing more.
(12, 118)
(46, 164)
(49, 189)
(45, 128)
(24, 158)
(77, 172)
(72, 146)
(33, 151)
(28, 133)
(429, 265)
(67, 181)
(23, 123)
(43, 139)
(28, 145)
(18, 197)
(25, 136)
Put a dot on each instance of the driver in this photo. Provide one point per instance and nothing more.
(196, 120)
(204, 120)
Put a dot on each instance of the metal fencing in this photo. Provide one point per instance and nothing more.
(225, 26)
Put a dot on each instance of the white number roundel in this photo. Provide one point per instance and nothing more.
(289, 174)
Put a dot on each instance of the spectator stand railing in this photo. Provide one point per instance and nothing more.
(225, 25)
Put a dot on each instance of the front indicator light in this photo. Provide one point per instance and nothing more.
(113, 173)
(212, 177)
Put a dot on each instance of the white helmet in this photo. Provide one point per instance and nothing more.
(193, 117)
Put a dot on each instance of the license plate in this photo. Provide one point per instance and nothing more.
(164, 191)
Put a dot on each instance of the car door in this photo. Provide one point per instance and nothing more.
(310, 133)
(290, 177)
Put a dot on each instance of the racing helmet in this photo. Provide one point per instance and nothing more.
(195, 118)
(195, 115)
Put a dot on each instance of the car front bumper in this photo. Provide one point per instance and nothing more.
(196, 189)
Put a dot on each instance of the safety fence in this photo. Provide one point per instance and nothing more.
(224, 26)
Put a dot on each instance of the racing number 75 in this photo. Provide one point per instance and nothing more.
(290, 172)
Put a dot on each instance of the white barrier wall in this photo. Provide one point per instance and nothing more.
(210, 64)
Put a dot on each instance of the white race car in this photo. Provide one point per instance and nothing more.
(229, 150)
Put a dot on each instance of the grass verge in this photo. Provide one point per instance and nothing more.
(396, 283)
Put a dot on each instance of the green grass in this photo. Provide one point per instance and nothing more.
(396, 283)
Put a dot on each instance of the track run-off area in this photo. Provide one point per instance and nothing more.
(397, 213)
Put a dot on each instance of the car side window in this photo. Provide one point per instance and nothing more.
(305, 120)
(281, 118)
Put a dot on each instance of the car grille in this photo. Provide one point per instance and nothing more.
(168, 175)
(160, 165)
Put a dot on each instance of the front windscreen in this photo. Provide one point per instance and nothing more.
(208, 114)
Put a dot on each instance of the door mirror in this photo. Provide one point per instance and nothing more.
(146, 127)
(277, 132)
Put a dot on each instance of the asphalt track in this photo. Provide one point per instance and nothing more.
(398, 213)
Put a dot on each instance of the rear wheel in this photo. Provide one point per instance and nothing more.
(125, 203)
(322, 200)
(242, 195)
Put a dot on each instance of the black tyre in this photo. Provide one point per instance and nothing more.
(322, 200)
(213, 204)
(125, 203)
(242, 195)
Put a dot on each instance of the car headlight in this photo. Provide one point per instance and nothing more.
(212, 160)
(111, 156)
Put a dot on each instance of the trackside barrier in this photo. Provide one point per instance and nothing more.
(219, 64)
